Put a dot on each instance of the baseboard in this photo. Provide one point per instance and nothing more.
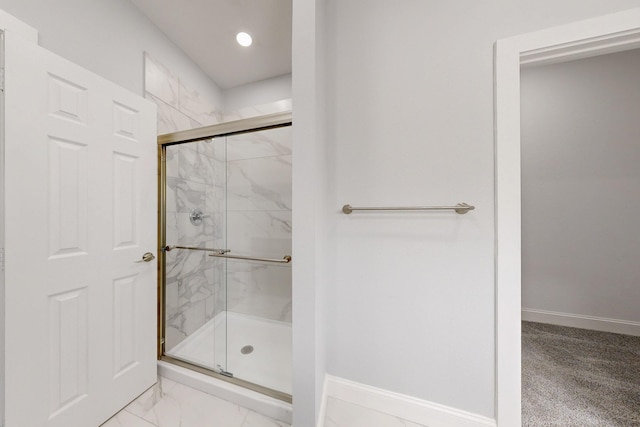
(398, 405)
(603, 324)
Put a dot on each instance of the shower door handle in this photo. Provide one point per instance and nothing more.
(148, 256)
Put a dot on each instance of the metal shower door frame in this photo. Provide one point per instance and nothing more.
(252, 124)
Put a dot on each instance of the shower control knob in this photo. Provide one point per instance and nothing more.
(196, 216)
(148, 256)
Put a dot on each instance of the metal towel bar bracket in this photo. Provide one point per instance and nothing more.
(169, 248)
(460, 208)
(285, 260)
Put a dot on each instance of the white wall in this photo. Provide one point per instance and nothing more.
(256, 93)
(410, 307)
(580, 187)
(108, 37)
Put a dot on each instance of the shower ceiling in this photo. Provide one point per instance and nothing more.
(206, 29)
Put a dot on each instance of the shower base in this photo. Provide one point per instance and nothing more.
(269, 364)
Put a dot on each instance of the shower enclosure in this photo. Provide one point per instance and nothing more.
(225, 264)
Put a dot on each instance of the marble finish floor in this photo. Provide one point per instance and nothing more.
(170, 404)
(578, 378)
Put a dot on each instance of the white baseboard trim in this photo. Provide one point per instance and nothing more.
(603, 324)
(398, 405)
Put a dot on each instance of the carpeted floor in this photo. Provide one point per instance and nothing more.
(579, 378)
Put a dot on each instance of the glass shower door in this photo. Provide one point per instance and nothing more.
(259, 226)
(195, 315)
(227, 257)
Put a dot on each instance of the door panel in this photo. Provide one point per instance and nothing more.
(80, 209)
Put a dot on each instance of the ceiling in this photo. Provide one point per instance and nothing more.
(206, 29)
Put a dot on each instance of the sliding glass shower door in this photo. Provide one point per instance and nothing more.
(227, 278)
(195, 228)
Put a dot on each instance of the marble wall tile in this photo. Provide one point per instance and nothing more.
(219, 149)
(268, 143)
(210, 308)
(170, 119)
(259, 290)
(262, 234)
(194, 317)
(216, 198)
(174, 330)
(172, 234)
(160, 82)
(344, 414)
(199, 164)
(259, 184)
(215, 227)
(171, 296)
(190, 313)
(184, 263)
(192, 105)
(179, 107)
(172, 156)
(194, 289)
(258, 110)
(188, 194)
(195, 292)
(193, 235)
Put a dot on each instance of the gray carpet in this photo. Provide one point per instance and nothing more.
(576, 377)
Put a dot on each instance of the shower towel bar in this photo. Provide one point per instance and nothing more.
(195, 248)
(461, 208)
(222, 253)
(285, 260)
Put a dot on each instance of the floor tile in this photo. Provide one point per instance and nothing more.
(255, 419)
(150, 398)
(126, 419)
(344, 414)
(184, 406)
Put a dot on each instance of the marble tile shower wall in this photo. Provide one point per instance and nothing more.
(179, 107)
(195, 172)
(195, 288)
(259, 222)
(196, 176)
(182, 108)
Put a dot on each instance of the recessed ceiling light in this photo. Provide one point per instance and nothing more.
(244, 39)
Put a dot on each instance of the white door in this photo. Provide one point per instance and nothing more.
(80, 207)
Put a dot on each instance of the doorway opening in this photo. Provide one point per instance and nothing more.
(580, 181)
(606, 34)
